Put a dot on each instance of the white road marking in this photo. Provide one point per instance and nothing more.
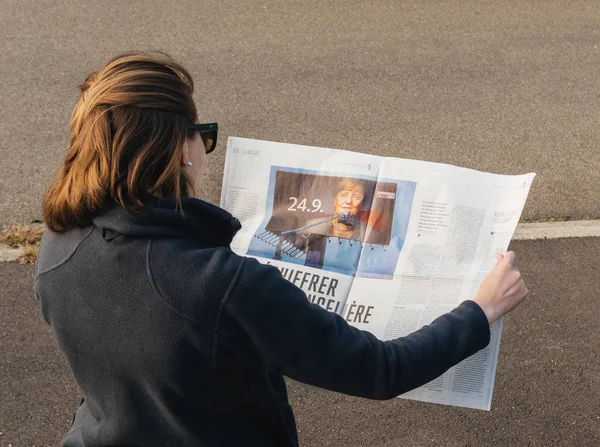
(557, 230)
(8, 254)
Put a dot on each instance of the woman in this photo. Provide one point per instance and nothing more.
(172, 338)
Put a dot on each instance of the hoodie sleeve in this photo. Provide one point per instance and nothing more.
(306, 343)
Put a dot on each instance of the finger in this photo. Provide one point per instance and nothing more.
(499, 258)
(511, 280)
(510, 257)
(518, 289)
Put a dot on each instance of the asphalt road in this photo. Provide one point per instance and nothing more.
(547, 384)
(505, 86)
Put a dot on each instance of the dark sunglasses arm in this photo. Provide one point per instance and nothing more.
(211, 127)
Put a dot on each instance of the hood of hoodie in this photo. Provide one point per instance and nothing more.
(200, 221)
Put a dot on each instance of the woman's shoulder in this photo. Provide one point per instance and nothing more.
(185, 252)
(190, 279)
(182, 260)
(196, 280)
(57, 248)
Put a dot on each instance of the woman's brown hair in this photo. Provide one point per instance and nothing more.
(348, 184)
(127, 135)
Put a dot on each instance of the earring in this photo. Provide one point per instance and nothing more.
(189, 163)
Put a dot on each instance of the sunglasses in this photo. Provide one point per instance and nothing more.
(208, 133)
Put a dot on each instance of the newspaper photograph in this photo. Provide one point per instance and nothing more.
(389, 244)
(306, 210)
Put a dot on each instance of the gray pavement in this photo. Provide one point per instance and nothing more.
(547, 384)
(506, 86)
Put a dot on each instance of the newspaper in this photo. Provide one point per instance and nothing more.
(390, 244)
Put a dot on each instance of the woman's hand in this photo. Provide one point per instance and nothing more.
(502, 290)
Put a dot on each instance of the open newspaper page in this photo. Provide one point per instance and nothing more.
(390, 244)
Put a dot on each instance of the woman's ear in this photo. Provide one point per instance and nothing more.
(185, 155)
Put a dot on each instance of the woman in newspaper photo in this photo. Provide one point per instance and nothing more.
(172, 338)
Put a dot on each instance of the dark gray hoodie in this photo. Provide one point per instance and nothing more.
(174, 340)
